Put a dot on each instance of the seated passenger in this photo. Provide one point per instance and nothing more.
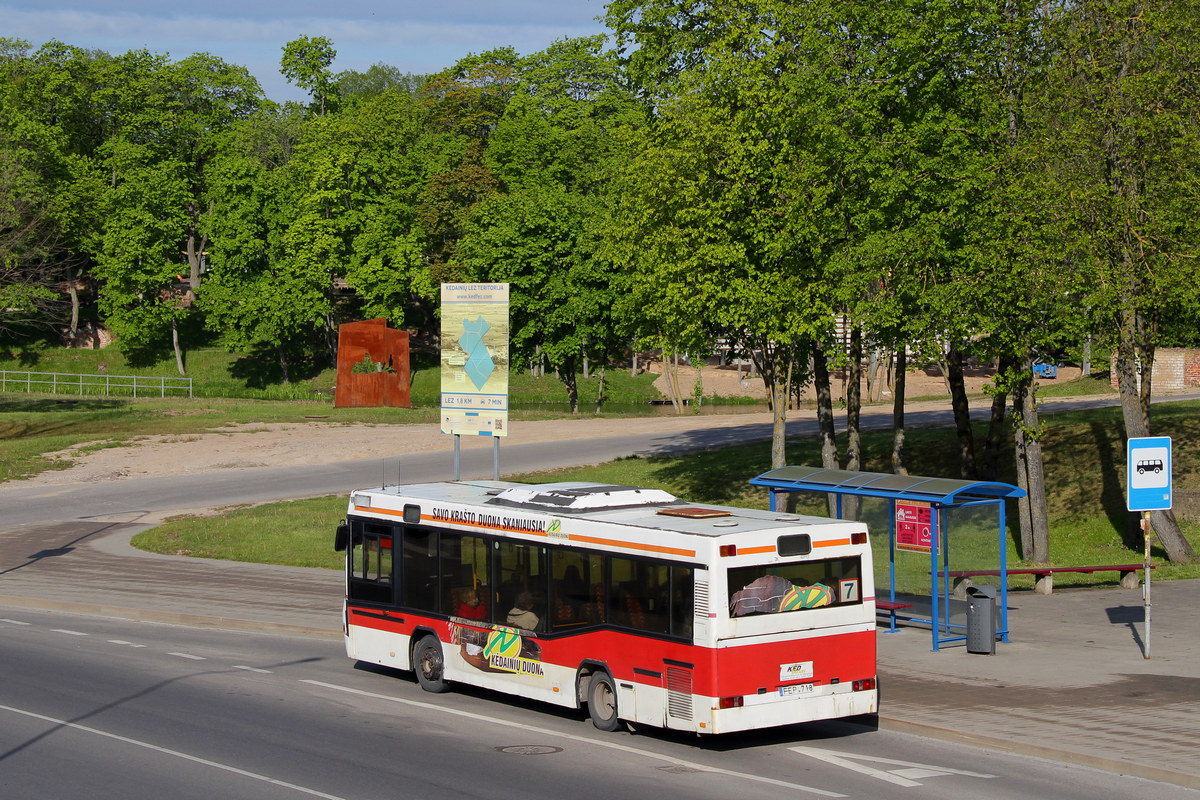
(520, 615)
(469, 606)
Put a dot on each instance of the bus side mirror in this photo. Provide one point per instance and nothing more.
(341, 538)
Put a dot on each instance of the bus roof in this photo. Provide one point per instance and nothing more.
(622, 505)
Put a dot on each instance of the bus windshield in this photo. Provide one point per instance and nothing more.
(794, 586)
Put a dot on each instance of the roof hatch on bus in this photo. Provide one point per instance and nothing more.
(580, 497)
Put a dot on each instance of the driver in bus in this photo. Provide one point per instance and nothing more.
(520, 615)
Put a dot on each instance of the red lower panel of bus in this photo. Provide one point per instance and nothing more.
(735, 668)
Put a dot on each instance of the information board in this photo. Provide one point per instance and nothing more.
(474, 359)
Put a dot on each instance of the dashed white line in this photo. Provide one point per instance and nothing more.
(15, 622)
(167, 751)
(68, 632)
(252, 669)
(125, 643)
(188, 656)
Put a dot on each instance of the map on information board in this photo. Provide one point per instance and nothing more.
(474, 359)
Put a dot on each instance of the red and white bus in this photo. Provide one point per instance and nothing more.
(641, 607)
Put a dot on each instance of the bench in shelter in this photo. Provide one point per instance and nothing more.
(1044, 575)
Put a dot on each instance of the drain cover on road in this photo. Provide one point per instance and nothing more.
(529, 749)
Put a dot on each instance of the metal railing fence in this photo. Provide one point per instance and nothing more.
(87, 385)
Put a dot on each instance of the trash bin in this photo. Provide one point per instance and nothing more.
(981, 620)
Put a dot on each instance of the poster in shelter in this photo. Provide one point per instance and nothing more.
(914, 526)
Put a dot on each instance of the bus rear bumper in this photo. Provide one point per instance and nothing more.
(770, 710)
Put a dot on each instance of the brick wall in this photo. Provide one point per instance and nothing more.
(1176, 369)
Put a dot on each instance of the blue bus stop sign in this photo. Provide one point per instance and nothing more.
(1148, 473)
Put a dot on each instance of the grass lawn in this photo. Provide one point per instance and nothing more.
(1084, 467)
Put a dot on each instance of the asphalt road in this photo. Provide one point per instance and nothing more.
(102, 708)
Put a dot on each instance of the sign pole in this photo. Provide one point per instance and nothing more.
(495, 459)
(1146, 582)
(457, 446)
(1148, 475)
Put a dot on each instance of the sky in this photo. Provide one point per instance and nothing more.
(418, 36)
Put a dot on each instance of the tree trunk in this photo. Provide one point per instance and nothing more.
(283, 363)
(600, 392)
(1134, 384)
(962, 413)
(853, 415)
(178, 349)
(1035, 532)
(568, 378)
(74, 291)
(829, 453)
(1020, 456)
(988, 464)
(898, 411)
(195, 256)
(780, 393)
(671, 373)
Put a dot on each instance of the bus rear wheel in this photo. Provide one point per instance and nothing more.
(602, 702)
(429, 665)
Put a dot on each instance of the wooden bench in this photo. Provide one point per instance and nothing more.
(1045, 575)
(890, 607)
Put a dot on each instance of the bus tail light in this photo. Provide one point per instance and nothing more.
(864, 685)
(732, 702)
(728, 550)
(858, 538)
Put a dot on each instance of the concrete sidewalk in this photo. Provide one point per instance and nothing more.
(1072, 685)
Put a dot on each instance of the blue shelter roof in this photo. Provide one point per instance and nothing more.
(939, 491)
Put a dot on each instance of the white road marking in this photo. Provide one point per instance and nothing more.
(187, 655)
(15, 622)
(900, 777)
(68, 632)
(167, 751)
(125, 643)
(584, 739)
(252, 669)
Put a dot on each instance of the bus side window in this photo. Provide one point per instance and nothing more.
(682, 601)
(640, 595)
(521, 585)
(371, 563)
(573, 596)
(419, 569)
(464, 572)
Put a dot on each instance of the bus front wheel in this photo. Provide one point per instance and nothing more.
(429, 665)
(602, 702)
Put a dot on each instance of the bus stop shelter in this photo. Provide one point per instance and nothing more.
(915, 506)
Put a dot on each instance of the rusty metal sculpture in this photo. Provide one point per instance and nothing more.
(372, 366)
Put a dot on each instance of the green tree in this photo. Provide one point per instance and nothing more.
(305, 63)
(161, 121)
(1120, 118)
(254, 294)
(48, 135)
(551, 154)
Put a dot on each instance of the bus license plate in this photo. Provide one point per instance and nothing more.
(795, 689)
